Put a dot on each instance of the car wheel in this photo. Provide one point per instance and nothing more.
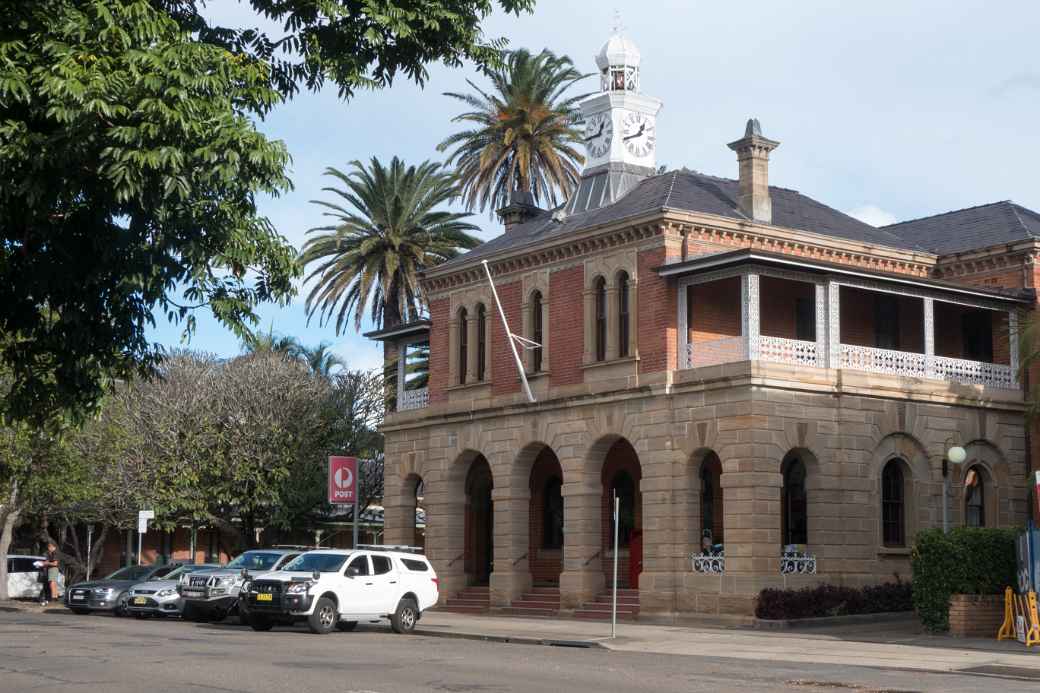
(192, 613)
(260, 623)
(405, 616)
(120, 609)
(81, 612)
(346, 626)
(324, 617)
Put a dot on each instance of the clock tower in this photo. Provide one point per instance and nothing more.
(620, 129)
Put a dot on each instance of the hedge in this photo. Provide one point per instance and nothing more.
(832, 600)
(968, 560)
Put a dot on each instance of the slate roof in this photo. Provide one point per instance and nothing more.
(696, 192)
(967, 229)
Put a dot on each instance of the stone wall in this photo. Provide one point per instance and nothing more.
(845, 425)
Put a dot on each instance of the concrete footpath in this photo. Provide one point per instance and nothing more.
(891, 645)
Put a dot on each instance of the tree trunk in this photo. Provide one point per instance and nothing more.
(10, 513)
(392, 305)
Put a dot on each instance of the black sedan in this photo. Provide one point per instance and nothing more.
(111, 593)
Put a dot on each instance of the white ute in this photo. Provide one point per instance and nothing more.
(330, 588)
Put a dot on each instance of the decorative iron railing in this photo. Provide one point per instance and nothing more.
(975, 372)
(782, 350)
(413, 399)
(797, 563)
(708, 563)
(889, 361)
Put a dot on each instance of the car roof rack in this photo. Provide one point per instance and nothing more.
(299, 547)
(391, 547)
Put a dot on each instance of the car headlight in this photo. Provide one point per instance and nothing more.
(226, 580)
(166, 593)
(299, 587)
(102, 591)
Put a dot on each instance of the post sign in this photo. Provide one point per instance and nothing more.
(142, 520)
(1036, 492)
(342, 480)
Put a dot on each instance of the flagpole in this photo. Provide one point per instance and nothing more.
(509, 335)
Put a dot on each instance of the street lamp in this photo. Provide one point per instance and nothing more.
(955, 455)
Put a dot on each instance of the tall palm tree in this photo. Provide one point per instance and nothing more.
(523, 132)
(388, 232)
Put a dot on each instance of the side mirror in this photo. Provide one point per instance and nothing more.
(352, 571)
(316, 575)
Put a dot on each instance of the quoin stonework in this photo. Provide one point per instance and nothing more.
(767, 384)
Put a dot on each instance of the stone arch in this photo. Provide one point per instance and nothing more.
(479, 524)
(702, 459)
(413, 491)
(912, 455)
(799, 479)
(992, 468)
(621, 474)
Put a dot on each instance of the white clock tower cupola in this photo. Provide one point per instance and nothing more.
(620, 129)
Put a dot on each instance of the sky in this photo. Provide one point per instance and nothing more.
(887, 110)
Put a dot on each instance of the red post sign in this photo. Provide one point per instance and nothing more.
(342, 480)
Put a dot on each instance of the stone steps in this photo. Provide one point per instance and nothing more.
(600, 608)
(472, 600)
(540, 601)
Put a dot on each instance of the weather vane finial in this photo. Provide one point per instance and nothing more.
(618, 26)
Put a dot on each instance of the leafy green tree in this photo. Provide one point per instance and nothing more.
(522, 133)
(130, 164)
(270, 342)
(388, 232)
(322, 361)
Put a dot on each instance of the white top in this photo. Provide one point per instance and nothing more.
(618, 50)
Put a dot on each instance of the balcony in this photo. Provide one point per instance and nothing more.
(912, 329)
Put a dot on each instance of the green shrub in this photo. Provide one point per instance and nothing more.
(965, 561)
(832, 600)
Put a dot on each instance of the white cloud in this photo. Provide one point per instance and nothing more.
(873, 215)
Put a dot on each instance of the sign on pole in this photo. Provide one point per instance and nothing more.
(1036, 491)
(342, 480)
(142, 527)
(343, 486)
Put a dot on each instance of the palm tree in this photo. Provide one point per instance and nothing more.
(271, 342)
(321, 360)
(524, 133)
(388, 232)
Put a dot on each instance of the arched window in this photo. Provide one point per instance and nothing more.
(552, 521)
(536, 331)
(974, 498)
(601, 319)
(463, 345)
(481, 342)
(624, 488)
(711, 499)
(623, 322)
(794, 506)
(893, 513)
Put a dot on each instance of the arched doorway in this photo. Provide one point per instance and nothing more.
(794, 502)
(479, 546)
(620, 477)
(546, 519)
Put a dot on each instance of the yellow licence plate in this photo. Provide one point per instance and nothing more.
(264, 597)
(140, 600)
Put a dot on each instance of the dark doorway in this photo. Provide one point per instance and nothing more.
(480, 523)
(546, 519)
(621, 476)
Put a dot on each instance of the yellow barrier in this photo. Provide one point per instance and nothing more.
(1020, 608)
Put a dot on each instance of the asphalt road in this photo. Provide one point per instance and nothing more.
(43, 652)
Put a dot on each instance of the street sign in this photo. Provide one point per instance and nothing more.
(142, 520)
(1036, 492)
(343, 480)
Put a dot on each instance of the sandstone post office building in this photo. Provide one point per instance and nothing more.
(767, 384)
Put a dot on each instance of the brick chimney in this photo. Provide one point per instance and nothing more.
(753, 156)
(521, 208)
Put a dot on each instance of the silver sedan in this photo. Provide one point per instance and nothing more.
(160, 597)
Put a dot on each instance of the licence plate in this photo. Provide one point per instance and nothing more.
(264, 597)
(79, 596)
(140, 600)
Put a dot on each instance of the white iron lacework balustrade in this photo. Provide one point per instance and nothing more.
(797, 563)
(716, 351)
(975, 372)
(781, 350)
(709, 563)
(413, 399)
(883, 361)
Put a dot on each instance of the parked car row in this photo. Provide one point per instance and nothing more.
(325, 588)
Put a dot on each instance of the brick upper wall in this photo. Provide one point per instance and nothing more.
(655, 315)
(566, 322)
(778, 300)
(714, 310)
(439, 316)
(504, 376)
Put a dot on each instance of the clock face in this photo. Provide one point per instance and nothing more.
(639, 134)
(599, 131)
